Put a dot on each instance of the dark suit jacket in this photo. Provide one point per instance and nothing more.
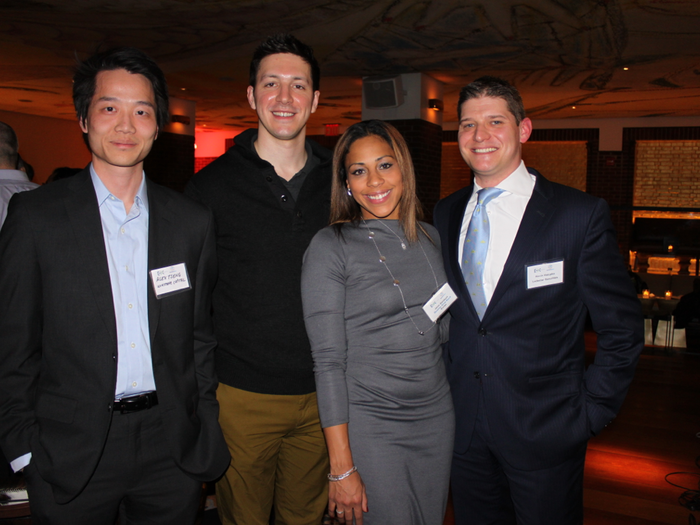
(542, 404)
(58, 340)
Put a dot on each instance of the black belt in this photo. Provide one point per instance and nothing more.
(126, 405)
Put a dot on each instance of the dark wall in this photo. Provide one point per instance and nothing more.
(171, 161)
(424, 140)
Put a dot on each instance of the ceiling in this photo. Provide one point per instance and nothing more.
(561, 54)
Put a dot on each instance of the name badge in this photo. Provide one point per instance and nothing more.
(439, 302)
(170, 279)
(545, 274)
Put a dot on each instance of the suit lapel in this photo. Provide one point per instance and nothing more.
(84, 216)
(537, 215)
(159, 223)
(454, 228)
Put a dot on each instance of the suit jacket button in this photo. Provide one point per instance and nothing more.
(482, 331)
(476, 375)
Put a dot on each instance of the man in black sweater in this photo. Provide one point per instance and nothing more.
(270, 194)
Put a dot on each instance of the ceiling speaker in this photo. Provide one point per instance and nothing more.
(382, 92)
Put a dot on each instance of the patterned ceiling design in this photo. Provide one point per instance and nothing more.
(560, 53)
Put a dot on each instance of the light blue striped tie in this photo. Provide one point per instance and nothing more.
(476, 246)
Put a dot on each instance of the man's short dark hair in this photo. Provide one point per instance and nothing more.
(8, 147)
(132, 60)
(493, 87)
(285, 43)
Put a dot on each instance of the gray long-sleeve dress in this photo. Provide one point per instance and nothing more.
(375, 371)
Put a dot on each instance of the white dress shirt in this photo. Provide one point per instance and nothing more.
(505, 214)
(11, 182)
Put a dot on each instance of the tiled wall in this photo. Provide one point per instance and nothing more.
(564, 162)
(455, 173)
(667, 173)
(200, 162)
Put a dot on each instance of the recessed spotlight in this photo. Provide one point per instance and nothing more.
(182, 119)
(435, 104)
(573, 107)
(626, 69)
(183, 89)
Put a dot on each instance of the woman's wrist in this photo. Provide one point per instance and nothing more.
(338, 477)
(340, 465)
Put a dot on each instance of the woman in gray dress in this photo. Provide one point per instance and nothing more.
(383, 397)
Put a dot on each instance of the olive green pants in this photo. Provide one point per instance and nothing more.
(278, 458)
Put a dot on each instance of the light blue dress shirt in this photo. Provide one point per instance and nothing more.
(126, 243)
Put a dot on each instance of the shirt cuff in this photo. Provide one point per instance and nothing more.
(21, 462)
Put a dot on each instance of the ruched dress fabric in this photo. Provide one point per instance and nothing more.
(374, 370)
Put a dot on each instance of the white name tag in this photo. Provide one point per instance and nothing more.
(545, 274)
(439, 302)
(170, 279)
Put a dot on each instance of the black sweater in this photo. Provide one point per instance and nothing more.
(258, 315)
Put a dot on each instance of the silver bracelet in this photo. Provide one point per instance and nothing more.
(331, 477)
